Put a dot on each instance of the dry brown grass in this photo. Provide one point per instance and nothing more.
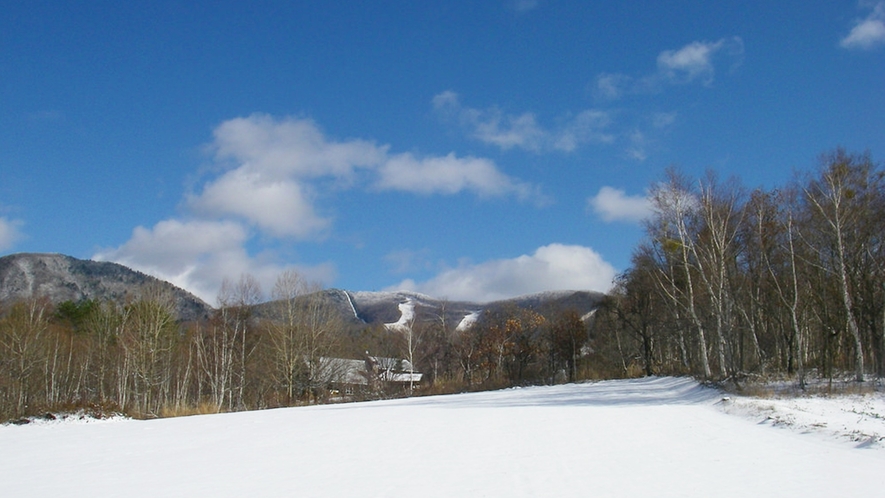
(785, 387)
(186, 411)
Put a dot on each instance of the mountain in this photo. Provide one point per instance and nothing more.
(397, 308)
(63, 278)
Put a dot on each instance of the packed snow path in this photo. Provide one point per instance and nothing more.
(647, 437)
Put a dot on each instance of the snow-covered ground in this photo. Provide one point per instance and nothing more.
(644, 437)
(853, 418)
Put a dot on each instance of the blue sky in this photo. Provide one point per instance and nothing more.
(467, 150)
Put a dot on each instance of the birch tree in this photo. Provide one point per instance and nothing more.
(836, 198)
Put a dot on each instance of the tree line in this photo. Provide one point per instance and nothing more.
(730, 282)
(138, 358)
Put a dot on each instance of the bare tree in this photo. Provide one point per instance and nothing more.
(837, 198)
(303, 334)
(22, 332)
(147, 338)
(676, 213)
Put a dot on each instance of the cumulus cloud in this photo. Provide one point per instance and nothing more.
(613, 204)
(868, 32)
(508, 131)
(10, 232)
(198, 255)
(291, 148)
(282, 207)
(276, 166)
(694, 62)
(269, 174)
(551, 267)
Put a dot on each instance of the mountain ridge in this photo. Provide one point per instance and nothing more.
(65, 278)
(60, 278)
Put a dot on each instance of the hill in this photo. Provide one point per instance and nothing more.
(64, 278)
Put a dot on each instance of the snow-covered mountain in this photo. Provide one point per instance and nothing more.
(397, 309)
(64, 278)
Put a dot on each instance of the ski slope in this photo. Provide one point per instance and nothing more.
(645, 437)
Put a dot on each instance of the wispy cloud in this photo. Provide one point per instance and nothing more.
(523, 5)
(868, 32)
(270, 176)
(449, 175)
(613, 204)
(551, 267)
(407, 260)
(10, 232)
(692, 63)
(522, 131)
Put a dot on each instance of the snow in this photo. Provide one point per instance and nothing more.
(352, 307)
(407, 314)
(468, 321)
(644, 437)
(853, 418)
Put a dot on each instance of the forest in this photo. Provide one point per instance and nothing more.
(731, 283)
(728, 284)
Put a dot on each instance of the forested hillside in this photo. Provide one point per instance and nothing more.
(294, 345)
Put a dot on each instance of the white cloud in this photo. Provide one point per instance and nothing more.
(613, 204)
(586, 127)
(448, 175)
(508, 131)
(281, 207)
(199, 255)
(869, 32)
(277, 167)
(291, 148)
(693, 62)
(10, 232)
(551, 267)
(275, 163)
(272, 171)
(272, 166)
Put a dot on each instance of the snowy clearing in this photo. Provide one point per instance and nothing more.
(654, 436)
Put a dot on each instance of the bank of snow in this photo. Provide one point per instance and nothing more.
(853, 418)
(646, 437)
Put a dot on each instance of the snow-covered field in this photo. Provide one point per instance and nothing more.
(645, 437)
